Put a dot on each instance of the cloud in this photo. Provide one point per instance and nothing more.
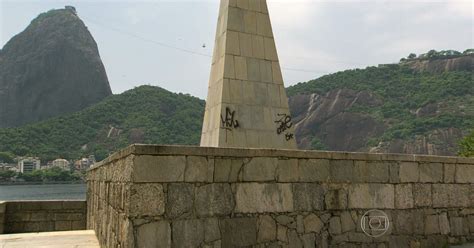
(291, 14)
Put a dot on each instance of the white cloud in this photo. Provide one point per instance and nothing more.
(292, 14)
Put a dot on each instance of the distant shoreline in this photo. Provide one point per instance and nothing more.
(42, 183)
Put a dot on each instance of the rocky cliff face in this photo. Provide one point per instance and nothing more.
(52, 67)
(326, 118)
(463, 63)
(438, 142)
(421, 117)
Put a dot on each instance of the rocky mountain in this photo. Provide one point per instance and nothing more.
(51, 68)
(389, 108)
(421, 106)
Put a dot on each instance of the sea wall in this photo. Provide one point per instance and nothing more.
(172, 196)
(42, 216)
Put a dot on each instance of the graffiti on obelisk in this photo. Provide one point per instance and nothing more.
(246, 104)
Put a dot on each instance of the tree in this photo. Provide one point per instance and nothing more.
(6, 157)
(7, 175)
(432, 54)
(412, 56)
(468, 51)
(467, 145)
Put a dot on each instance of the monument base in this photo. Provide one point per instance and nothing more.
(176, 196)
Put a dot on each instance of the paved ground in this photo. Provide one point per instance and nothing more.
(70, 239)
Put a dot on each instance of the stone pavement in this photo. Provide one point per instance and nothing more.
(69, 239)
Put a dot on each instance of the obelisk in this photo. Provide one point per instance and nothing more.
(246, 103)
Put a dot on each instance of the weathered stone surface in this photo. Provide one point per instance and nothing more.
(199, 169)
(451, 195)
(432, 224)
(313, 170)
(464, 173)
(309, 240)
(347, 223)
(431, 172)
(409, 172)
(159, 168)
(188, 233)
(422, 195)
(403, 222)
(433, 241)
(371, 196)
(287, 170)
(266, 229)
(403, 196)
(180, 199)
(443, 223)
(152, 195)
(293, 240)
(336, 199)
(359, 237)
(238, 232)
(470, 219)
(284, 220)
(154, 234)
(227, 170)
(418, 221)
(211, 230)
(282, 233)
(457, 226)
(371, 172)
(394, 169)
(308, 196)
(261, 198)
(398, 241)
(300, 223)
(335, 225)
(214, 200)
(449, 173)
(341, 170)
(260, 169)
(312, 223)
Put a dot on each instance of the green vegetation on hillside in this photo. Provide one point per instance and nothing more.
(433, 54)
(145, 114)
(403, 91)
(49, 175)
(467, 145)
(6, 157)
(153, 115)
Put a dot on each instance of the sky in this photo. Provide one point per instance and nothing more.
(160, 42)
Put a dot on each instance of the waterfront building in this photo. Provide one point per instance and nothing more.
(61, 163)
(84, 163)
(29, 164)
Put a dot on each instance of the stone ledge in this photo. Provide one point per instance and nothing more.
(162, 150)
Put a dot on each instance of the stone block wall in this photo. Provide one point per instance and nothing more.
(169, 196)
(43, 216)
(2, 216)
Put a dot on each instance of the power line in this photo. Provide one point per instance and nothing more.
(179, 48)
(149, 40)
